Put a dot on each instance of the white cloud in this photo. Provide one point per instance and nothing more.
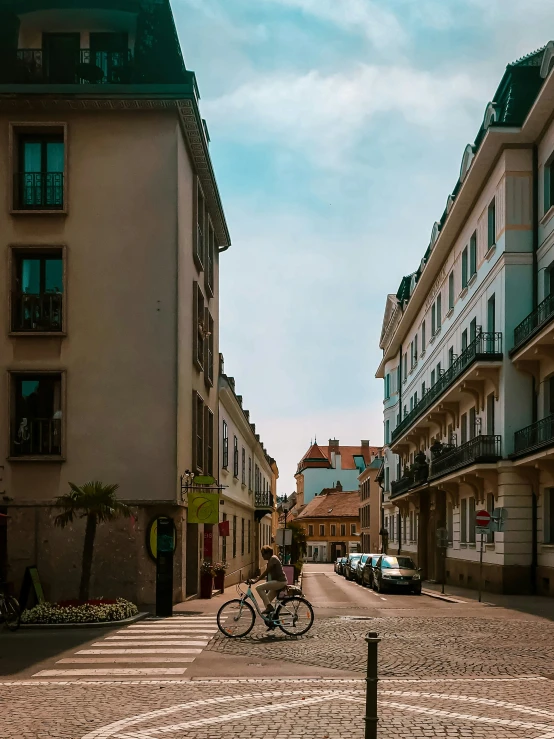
(379, 26)
(326, 115)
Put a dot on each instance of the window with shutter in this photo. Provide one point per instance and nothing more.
(439, 311)
(210, 258)
(473, 254)
(491, 224)
(208, 349)
(198, 320)
(225, 445)
(451, 291)
(464, 268)
(208, 441)
(200, 236)
(433, 319)
(198, 432)
(423, 337)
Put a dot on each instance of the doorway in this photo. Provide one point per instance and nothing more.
(62, 51)
(192, 559)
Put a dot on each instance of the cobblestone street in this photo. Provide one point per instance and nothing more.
(458, 670)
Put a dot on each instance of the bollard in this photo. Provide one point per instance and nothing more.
(371, 719)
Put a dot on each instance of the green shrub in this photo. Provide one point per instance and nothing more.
(53, 613)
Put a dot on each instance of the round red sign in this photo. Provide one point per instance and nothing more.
(482, 518)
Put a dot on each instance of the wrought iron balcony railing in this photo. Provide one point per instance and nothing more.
(486, 448)
(542, 314)
(486, 346)
(264, 500)
(41, 312)
(38, 190)
(34, 66)
(37, 437)
(535, 436)
(412, 480)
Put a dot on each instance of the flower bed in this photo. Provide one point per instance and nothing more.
(70, 612)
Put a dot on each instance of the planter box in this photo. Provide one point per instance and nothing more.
(206, 586)
(219, 581)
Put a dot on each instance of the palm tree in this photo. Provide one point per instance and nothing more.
(97, 503)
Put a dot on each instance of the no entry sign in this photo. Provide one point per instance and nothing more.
(482, 518)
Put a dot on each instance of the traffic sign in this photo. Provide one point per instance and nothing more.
(482, 519)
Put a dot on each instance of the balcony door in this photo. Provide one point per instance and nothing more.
(61, 52)
(42, 162)
(109, 53)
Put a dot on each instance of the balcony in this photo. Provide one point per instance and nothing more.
(534, 322)
(536, 436)
(85, 67)
(487, 448)
(485, 347)
(37, 313)
(37, 437)
(38, 191)
(263, 502)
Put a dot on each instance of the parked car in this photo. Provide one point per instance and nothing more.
(367, 571)
(359, 567)
(350, 564)
(339, 562)
(396, 573)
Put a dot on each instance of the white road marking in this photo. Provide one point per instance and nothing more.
(113, 671)
(139, 651)
(198, 640)
(383, 598)
(170, 627)
(148, 643)
(192, 634)
(128, 659)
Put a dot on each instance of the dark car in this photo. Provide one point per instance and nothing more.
(350, 565)
(339, 565)
(396, 573)
(367, 572)
(360, 566)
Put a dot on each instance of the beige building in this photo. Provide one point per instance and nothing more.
(111, 230)
(370, 507)
(248, 476)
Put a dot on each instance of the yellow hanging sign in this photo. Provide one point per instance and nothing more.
(203, 507)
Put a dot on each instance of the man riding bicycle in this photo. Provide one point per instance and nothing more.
(275, 576)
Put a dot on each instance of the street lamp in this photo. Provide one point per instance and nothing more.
(285, 506)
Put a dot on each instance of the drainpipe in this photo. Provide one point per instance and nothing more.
(534, 388)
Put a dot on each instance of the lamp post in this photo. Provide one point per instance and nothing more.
(285, 507)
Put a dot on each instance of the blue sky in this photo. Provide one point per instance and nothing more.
(337, 129)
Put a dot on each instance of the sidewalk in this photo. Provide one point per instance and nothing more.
(535, 605)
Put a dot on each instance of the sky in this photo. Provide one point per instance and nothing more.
(337, 131)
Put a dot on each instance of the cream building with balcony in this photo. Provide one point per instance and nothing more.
(111, 231)
(468, 354)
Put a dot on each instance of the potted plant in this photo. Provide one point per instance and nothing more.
(220, 568)
(206, 579)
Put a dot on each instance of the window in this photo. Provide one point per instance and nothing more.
(387, 386)
(411, 526)
(549, 516)
(243, 466)
(234, 537)
(352, 529)
(39, 181)
(207, 330)
(208, 441)
(224, 543)
(343, 529)
(36, 414)
(450, 522)
(242, 537)
(432, 377)
(110, 53)
(471, 524)
(387, 432)
(210, 258)
(464, 340)
(423, 337)
(491, 224)
(411, 355)
(411, 403)
(473, 330)
(463, 520)
(322, 529)
(387, 478)
(415, 398)
(463, 428)
(439, 311)
(200, 228)
(464, 268)
(333, 530)
(198, 326)
(433, 319)
(415, 348)
(423, 389)
(472, 423)
(451, 291)
(249, 535)
(405, 366)
(225, 445)
(310, 530)
(37, 290)
(473, 254)
(490, 414)
(438, 371)
(235, 457)
(451, 356)
(491, 314)
(198, 431)
(249, 473)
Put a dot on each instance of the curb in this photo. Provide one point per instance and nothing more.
(440, 596)
(88, 625)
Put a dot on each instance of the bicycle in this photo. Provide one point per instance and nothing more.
(293, 614)
(10, 611)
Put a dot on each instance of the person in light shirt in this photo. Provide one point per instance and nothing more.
(275, 576)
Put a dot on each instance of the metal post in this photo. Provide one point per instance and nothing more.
(371, 719)
(285, 540)
(480, 568)
(443, 569)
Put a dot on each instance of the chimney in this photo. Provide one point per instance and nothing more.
(334, 442)
(239, 398)
(231, 381)
(221, 364)
(365, 442)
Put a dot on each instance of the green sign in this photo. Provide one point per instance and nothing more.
(203, 507)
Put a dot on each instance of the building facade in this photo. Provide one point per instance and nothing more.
(249, 477)
(111, 231)
(331, 521)
(370, 507)
(323, 466)
(467, 346)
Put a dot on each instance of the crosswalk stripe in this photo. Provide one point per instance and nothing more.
(174, 619)
(169, 631)
(139, 651)
(150, 643)
(114, 671)
(147, 637)
(129, 659)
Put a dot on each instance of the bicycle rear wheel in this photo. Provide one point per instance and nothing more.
(295, 616)
(236, 618)
(9, 608)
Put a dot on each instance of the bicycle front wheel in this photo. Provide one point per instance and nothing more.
(9, 608)
(236, 618)
(295, 616)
